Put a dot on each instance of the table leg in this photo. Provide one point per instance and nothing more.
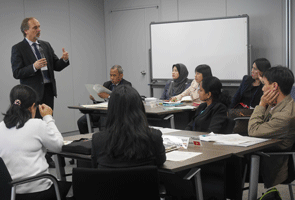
(172, 123)
(254, 174)
(60, 170)
(89, 123)
(196, 173)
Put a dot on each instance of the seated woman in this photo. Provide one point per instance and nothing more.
(178, 84)
(210, 116)
(127, 140)
(201, 72)
(250, 91)
(23, 144)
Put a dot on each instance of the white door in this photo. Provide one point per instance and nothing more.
(130, 44)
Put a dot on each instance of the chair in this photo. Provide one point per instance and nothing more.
(230, 124)
(8, 186)
(291, 167)
(116, 183)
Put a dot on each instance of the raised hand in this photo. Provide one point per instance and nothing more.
(65, 54)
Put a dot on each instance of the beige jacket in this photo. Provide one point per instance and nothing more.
(191, 91)
(277, 122)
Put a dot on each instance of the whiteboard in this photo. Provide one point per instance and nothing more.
(220, 43)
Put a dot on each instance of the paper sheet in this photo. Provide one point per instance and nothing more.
(179, 108)
(99, 105)
(179, 141)
(186, 98)
(99, 88)
(232, 139)
(92, 92)
(181, 155)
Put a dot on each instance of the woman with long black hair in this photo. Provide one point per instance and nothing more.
(127, 140)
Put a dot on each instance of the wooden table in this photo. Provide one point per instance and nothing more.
(210, 153)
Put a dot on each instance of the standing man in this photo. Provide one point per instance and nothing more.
(116, 76)
(33, 62)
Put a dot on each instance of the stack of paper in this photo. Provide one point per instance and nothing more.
(232, 139)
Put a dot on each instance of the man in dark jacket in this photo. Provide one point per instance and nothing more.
(116, 76)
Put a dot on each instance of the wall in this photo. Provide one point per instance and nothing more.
(78, 26)
(267, 27)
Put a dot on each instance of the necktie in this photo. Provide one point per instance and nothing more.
(44, 72)
(37, 51)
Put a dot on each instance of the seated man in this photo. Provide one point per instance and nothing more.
(116, 76)
(274, 117)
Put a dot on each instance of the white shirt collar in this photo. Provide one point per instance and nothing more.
(31, 43)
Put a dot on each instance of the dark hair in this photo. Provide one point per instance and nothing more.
(213, 85)
(205, 70)
(25, 25)
(262, 64)
(281, 75)
(21, 98)
(128, 132)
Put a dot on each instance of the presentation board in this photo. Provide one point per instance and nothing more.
(221, 43)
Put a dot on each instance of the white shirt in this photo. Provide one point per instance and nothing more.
(23, 151)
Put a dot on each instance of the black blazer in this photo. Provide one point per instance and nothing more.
(246, 83)
(108, 84)
(99, 158)
(22, 60)
(212, 119)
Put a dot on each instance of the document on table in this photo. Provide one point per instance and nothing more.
(181, 155)
(179, 108)
(178, 141)
(165, 130)
(232, 139)
(99, 105)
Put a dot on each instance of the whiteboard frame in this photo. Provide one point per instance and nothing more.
(154, 80)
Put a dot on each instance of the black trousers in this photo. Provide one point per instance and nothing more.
(48, 98)
(47, 194)
(96, 119)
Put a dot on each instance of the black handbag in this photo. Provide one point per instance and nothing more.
(81, 146)
(241, 126)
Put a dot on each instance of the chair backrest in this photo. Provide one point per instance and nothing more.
(116, 183)
(230, 124)
(241, 117)
(5, 179)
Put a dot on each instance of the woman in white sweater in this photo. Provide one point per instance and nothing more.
(24, 141)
